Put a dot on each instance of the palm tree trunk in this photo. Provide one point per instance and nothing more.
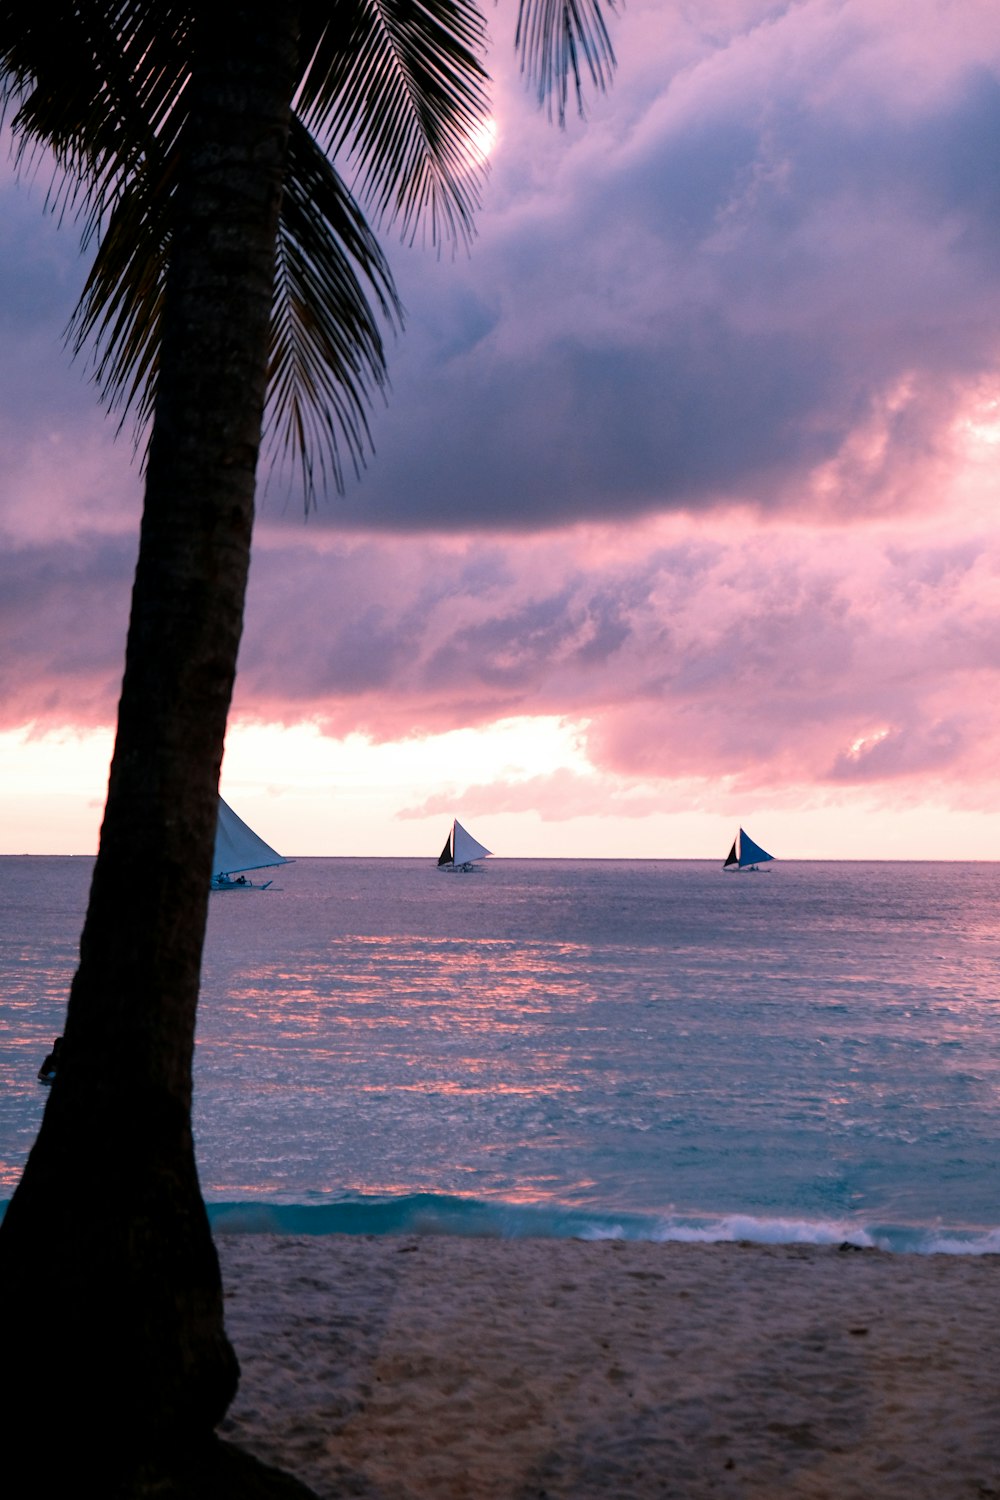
(106, 1242)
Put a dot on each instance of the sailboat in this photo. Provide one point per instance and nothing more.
(460, 850)
(238, 849)
(745, 854)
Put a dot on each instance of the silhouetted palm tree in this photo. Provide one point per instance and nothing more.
(232, 263)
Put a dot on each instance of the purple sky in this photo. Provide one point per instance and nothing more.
(692, 462)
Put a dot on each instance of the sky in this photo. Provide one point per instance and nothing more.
(682, 512)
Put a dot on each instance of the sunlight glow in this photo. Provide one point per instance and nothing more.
(865, 743)
(310, 760)
(482, 142)
(525, 786)
(52, 790)
(67, 761)
(981, 427)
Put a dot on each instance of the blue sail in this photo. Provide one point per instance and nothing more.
(751, 853)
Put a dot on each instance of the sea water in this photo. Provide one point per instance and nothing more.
(642, 1049)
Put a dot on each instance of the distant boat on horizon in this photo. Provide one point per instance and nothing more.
(238, 849)
(745, 854)
(461, 850)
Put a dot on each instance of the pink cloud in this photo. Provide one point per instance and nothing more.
(677, 454)
(693, 650)
(721, 651)
(559, 797)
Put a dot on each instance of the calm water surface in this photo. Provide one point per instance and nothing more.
(560, 1046)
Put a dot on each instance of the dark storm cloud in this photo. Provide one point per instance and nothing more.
(761, 286)
(698, 299)
(63, 612)
(705, 312)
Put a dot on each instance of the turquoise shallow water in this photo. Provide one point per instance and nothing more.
(573, 1047)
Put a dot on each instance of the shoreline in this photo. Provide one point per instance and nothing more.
(427, 1214)
(484, 1369)
(423, 1215)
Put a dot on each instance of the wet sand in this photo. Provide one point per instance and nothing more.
(476, 1369)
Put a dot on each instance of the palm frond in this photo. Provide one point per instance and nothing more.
(98, 83)
(120, 308)
(560, 39)
(327, 358)
(399, 86)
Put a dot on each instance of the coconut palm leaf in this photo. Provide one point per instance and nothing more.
(333, 289)
(114, 114)
(327, 359)
(99, 85)
(121, 304)
(395, 87)
(559, 39)
(398, 86)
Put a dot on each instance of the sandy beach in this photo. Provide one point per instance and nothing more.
(475, 1369)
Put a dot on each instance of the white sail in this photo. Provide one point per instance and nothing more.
(237, 847)
(466, 848)
(460, 849)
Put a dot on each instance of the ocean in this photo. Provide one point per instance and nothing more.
(649, 1049)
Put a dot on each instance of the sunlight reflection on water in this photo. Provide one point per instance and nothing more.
(639, 1037)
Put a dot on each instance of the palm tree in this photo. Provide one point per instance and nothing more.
(232, 262)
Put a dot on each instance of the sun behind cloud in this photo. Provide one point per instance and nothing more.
(482, 141)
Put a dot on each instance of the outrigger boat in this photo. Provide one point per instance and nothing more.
(461, 850)
(745, 855)
(237, 850)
